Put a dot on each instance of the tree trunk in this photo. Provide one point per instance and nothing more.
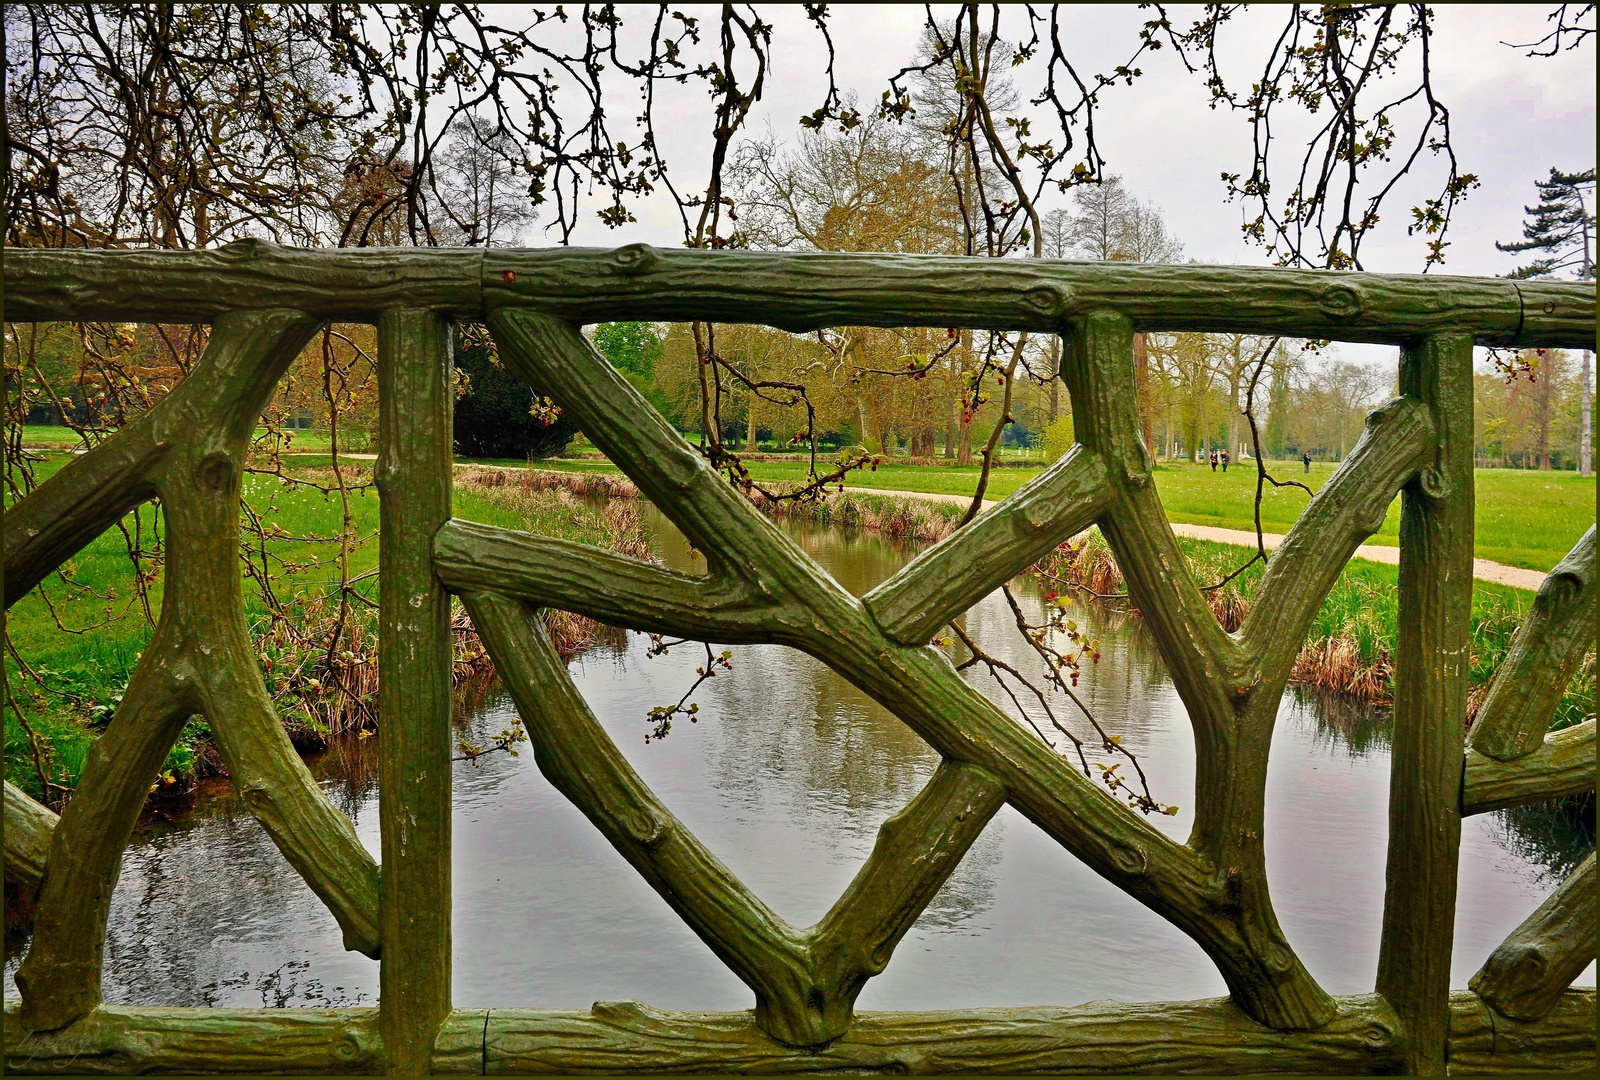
(1141, 382)
(1233, 415)
(1055, 378)
(1585, 446)
(1544, 399)
(950, 432)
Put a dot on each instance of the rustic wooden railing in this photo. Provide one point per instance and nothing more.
(265, 302)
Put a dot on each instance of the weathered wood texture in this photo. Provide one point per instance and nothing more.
(797, 291)
(413, 474)
(1561, 1043)
(626, 1038)
(1544, 654)
(1563, 765)
(28, 826)
(115, 1040)
(1527, 974)
(200, 660)
(1430, 705)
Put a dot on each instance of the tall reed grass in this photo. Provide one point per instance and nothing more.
(1349, 649)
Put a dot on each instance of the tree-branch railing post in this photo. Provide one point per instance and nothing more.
(413, 473)
(1430, 706)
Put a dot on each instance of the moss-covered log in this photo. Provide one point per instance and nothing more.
(1430, 700)
(413, 473)
(614, 1038)
(1545, 652)
(1561, 1043)
(115, 1040)
(797, 291)
(1562, 765)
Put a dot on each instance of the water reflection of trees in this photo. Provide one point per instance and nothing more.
(1555, 835)
(1126, 689)
(1343, 723)
(285, 986)
(214, 879)
(348, 772)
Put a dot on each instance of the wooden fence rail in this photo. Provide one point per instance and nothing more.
(265, 302)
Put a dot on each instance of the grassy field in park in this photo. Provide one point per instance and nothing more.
(49, 435)
(1526, 517)
(53, 436)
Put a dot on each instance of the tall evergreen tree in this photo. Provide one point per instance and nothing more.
(1562, 228)
(500, 416)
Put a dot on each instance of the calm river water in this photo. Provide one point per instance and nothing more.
(786, 776)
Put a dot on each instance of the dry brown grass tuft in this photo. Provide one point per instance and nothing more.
(1335, 664)
(1330, 663)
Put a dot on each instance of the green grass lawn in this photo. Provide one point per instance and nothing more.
(49, 435)
(87, 658)
(1525, 517)
(55, 436)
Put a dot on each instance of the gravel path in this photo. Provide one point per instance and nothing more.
(1482, 569)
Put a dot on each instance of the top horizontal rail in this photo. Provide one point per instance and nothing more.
(792, 290)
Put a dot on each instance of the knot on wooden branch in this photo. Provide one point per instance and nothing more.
(636, 259)
(249, 249)
(1340, 302)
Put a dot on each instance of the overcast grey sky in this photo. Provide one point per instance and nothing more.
(1512, 117)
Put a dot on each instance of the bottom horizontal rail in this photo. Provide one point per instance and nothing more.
(624, 1037)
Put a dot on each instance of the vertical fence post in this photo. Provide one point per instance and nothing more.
(414, 652)
(1430, 706)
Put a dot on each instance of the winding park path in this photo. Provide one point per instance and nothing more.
(1482, 569)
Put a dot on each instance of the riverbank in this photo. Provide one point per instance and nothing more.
(1525, 518)
(311, 614)
(1348, 651)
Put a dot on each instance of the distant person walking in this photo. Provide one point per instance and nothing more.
(1306, 457)
(1225, 460)
(1213, 461)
